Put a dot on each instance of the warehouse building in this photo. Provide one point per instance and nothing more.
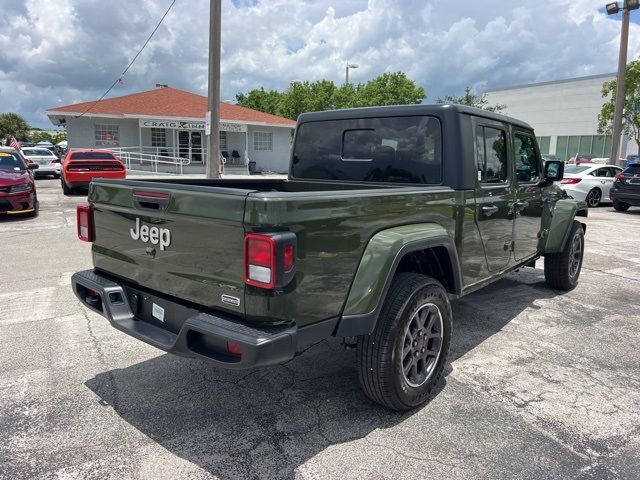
(564, 114)
(166, 124)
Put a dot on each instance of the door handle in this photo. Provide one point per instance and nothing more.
(489, 210)
(521, 204)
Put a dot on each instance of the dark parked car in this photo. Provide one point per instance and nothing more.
(626, 188)
(17, 187)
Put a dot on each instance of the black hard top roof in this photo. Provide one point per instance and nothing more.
(392, 110)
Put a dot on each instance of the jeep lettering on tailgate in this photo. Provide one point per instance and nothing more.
(153, 235)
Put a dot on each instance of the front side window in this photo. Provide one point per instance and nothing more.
(263, 141)
(491, 155)
(387, 149)
(527, 161)
(107, 135)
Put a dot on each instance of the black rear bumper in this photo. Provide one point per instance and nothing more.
(200, 335)
(625, 196)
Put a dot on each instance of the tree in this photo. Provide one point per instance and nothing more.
(387, 89)
(472, 100)
(13, 125)
(260, 99)
(631, 105)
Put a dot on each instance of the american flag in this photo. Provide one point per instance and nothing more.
(14, 143)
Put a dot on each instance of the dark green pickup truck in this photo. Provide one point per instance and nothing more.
(387, 214)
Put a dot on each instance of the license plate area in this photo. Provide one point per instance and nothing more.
(158, 311)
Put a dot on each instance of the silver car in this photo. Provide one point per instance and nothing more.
(48, 162)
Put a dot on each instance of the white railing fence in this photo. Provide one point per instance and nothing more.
(149, 158)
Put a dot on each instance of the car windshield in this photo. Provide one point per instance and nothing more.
(92, 156)
(36, 152)
(575, 169)
(11, 161)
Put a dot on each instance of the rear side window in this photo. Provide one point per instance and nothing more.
(391, 149)
(491, 155)
(92, 156)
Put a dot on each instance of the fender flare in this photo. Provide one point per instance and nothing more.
(378, 266)
(564, 213)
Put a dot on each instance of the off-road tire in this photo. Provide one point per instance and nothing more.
(562, 270)
(379, 355)
(594, 197)
(620, 206)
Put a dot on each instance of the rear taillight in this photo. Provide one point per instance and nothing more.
(55, 160)
(619, 177)
(269, 259)
(86, 231)
(570, 181)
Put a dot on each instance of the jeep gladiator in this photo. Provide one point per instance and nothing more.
(387, 214)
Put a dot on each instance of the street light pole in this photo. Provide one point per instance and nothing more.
(213, 139)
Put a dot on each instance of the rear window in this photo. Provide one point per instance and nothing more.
(575, 169)
(42, 152)
(11, 161)
(633, 169)
(391, 149)
(92, 156)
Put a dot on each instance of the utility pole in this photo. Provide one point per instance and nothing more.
(620, 87)
(346, 71)
(213, 139)
(613, 8)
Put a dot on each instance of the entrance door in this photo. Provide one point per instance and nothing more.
(528, 202)
(190, 145)
(494, 194)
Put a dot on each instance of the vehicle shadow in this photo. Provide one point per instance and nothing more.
(265, 423)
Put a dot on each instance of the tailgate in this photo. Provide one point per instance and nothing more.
(180, 240)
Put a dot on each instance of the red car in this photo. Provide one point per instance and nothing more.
(17, 187)
(80, 166)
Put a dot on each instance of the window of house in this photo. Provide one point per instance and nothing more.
(107, 135)
(491, 155)
(263, 141)
(223, 141)
(158, 137)
(527, 162)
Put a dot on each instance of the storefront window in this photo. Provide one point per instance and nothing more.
(107, 135)
(263, 141)
(158, 137)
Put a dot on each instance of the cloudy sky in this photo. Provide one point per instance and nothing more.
(65, 51)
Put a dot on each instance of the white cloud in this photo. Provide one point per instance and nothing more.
(72, 50)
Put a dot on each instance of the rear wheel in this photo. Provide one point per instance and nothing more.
(620, 206)
(561, 270)
(403, 359)
(594, 197)
(65, 189)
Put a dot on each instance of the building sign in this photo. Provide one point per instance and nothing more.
(188, 125)
(173, 124)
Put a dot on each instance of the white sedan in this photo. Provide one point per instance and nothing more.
(591, 182)
(48, 162)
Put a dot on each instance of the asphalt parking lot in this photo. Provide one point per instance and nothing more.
(540, 385)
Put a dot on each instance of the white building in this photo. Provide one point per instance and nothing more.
(564, 114)
(170, 123)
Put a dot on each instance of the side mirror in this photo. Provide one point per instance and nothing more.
(33, 166)
(553, 171)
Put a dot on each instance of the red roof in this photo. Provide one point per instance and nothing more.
(170, 102)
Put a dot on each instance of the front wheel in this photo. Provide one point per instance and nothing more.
(620, 206)
(561, 270)
(403, 359)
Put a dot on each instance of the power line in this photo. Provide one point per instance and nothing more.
(119, 79)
